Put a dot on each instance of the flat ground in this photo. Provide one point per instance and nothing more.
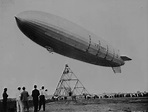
(99, 105)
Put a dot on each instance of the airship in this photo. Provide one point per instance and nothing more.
(66, 38)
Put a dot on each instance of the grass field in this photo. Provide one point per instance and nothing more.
(95, 105)
(11, 105)
(100, 105)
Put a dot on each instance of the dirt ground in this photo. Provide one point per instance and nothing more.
(99, 105)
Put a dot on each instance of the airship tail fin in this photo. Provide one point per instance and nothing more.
(125, 58)
(117, 69)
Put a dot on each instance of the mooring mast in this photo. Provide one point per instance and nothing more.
(69, 84)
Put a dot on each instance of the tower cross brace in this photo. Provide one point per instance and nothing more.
(69, 84)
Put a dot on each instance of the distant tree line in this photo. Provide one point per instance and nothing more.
(113, 95)
(119, 95)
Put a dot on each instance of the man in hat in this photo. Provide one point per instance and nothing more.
(19, 105)
(42, 98)
(35, 95)
(5, 96)
(24, 99)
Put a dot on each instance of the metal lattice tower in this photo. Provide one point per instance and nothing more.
(69, 83)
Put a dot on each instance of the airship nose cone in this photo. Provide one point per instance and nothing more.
(30, 29)
(18, 20)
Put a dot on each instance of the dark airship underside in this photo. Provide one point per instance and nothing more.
(66, 38)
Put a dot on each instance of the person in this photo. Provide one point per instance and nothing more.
(24, 99)
(35, 95)
(46, 96)
(5, 96)
(42, 98)
(19, 105)
(70, 93)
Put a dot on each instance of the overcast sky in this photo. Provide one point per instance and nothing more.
(122, 23)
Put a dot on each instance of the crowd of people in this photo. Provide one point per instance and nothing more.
(22, 99)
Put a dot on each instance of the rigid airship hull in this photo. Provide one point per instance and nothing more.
(68, 39)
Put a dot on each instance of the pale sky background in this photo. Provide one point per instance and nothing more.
(122, 23)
